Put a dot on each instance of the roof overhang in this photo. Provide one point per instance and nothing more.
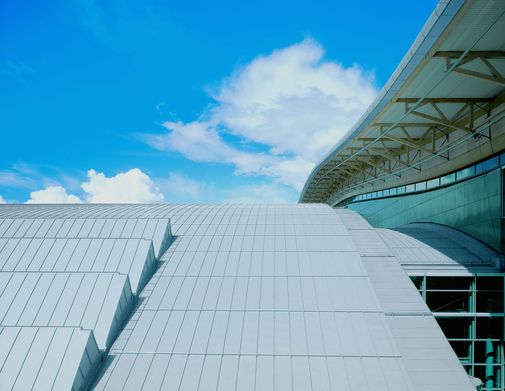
(447, 91)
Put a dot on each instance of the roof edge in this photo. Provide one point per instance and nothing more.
(435, 26)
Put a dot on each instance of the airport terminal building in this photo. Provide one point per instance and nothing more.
(388, 275)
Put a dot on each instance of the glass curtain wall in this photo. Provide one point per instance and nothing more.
(468, 172)
(470, 312)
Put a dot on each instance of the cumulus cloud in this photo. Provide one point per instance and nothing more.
(283, 112)
(2, 200)
(52, 195)
(132, 186)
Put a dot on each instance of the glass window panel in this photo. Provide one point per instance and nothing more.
(490, 283)
(449, 283)
(489, 381)
(456, 327)
(487, 351)
(486, 165)
(489, 301)
(410, 188)
(447, 179)
(385, 192)
(393, 191)
(417, 280)
(502, 158)
(433, 183)
(420, 186)
(489, 328)
(400, 189)
(465, 173)
(462, 350)
(448, 301)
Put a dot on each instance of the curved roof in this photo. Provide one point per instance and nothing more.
(246, 297)
(430, 248)
(435, 102)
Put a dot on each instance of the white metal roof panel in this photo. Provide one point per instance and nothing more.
(429, 359)
(255, 372)
(436, 249)
(217, 316)
(134, 257)
(431, 362)
(158, 230)
(41, 358)
(284, 296)
(93, 301)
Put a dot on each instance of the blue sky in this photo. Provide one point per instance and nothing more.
(202, 101)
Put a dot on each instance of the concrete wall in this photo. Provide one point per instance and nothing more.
(472, 206)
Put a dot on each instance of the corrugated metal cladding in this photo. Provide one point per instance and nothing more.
(246, 297)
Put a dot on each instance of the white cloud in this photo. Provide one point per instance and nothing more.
(179, 185)
(12, 178)
(52, 195)
(200, 141)
(2, 200)
(292, 104)
(132, 186)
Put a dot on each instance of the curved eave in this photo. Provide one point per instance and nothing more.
(410, 75)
